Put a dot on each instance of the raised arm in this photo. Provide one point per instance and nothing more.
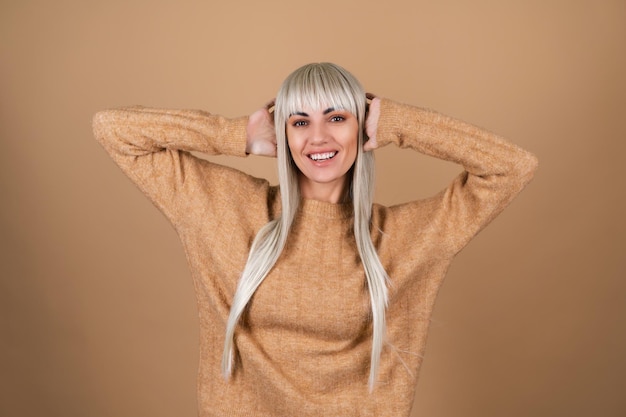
(495, 170)
(152, 147)
(138, 131)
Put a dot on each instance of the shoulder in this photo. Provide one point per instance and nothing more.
(222, 180)
(232, 195)
(406, 214)
(416, 226)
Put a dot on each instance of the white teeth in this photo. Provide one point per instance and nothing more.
(322, 156)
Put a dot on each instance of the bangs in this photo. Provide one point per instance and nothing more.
(318, 87)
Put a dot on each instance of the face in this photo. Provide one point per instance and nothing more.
(323, 144)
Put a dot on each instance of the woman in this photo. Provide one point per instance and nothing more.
(312, 300)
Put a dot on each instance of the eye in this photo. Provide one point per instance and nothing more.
(337, 118)
(299, 123)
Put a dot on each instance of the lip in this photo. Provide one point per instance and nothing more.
(322, 162)
(322, 155)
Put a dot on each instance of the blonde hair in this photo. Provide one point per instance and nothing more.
(315, 86)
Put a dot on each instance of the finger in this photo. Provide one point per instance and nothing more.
(368, 146)
(368, 101)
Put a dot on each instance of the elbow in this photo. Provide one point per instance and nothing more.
(522, 170)
(529, 167)
(98, 125)
(103, 125)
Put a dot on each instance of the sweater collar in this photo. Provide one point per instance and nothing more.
(325, 210)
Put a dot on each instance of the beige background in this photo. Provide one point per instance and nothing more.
(97, 313)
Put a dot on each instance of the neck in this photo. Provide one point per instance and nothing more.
(334, 192)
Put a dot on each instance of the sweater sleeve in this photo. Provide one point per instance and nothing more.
(495, 171)
(152, 147)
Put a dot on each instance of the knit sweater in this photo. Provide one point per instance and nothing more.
(303, 346)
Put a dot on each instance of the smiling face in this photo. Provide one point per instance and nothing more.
(319, 116)
(323, 144)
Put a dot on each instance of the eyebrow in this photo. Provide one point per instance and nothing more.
(300, 113)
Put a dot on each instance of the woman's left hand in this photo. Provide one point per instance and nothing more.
(371, 124)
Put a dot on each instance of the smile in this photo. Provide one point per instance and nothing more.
(322, 156)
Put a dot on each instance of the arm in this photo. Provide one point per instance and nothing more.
(138, 131)
(495, 170)
(152, 147)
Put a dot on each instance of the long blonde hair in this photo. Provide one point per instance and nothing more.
(315, 86)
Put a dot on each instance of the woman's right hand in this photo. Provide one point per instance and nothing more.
(261, 133)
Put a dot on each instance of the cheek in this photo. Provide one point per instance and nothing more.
(353, 134)
(352, 144)
(291, 148)
(293, 153)
(296, 143)
(289, 141)
(292, 140)
(353, 153)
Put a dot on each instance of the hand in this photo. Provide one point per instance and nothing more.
(261, 133)
(371, 124)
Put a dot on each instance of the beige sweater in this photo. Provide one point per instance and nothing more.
(303, 348)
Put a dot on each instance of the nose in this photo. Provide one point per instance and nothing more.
(319, 134)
